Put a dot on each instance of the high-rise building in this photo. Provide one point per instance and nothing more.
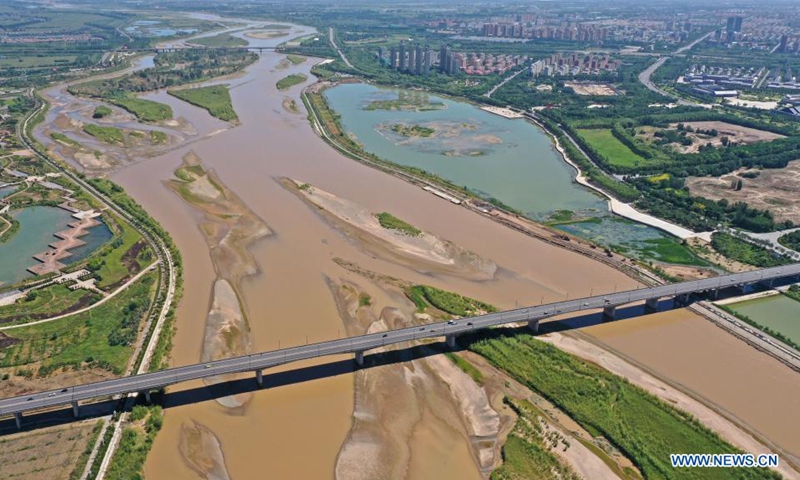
(426, 62)
(402, 65)
(393, 58)
(418, 60)
(412, 59)
(444, 52)
(784, 41)
(734, 25)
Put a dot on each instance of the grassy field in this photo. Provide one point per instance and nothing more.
(111, 135)
(670, 250)
(644, 428)
(137, 438)
(91, 338)
(110, 267)
(387, 220)
(449, 302)
(466, 367)
(101, 111)
(744, 252)
(608, 146)
(526, 453)
(158, 138)
(36, 61)
(60, 137)
(145, 110)
(215, 99)
(296, 59)
(221, 40)
(291, 81)
(47, 302)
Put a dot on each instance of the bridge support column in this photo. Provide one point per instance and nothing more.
(147, 396)
(682, 300)
(533, 325)
(260, 378)
(75, 412)
(743, 288)
(450, 340)
(360, 358)
(610, 312)
(18, 419)
(651, 305)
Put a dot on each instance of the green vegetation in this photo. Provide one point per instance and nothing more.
(607, 145)
(387, 220)
(136, 441)
(101, 111)
(61, 138)
(448, 302)
(741, 251)
(290, 81)
(118, 260)
(466, 367)
(296, 59)
(526, 453)
(791, 240)
(222, 40)
(644, 428)
(111, 135)
(364, 300)
(412, 130)
(157, 137)
(100, 338)
(670, 250)
(77, 472)
(145, 110)
(406, 103)
(215, 99)
(45, 303)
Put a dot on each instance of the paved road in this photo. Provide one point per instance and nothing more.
(508, 79)
(644, 77)
(338, 50)
(360, 344)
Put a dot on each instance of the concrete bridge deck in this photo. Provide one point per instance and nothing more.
(360, 344)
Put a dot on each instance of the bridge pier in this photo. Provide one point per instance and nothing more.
(147, 396)
(260, 378)
(610, 312)
(651, 305)
(450, 340)
(360, 358)
(682, 300)
(75, 412)
(18, 419)
(533, 325)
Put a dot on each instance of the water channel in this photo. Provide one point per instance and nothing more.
(494, 157)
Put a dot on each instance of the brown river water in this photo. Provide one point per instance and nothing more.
(297, 431)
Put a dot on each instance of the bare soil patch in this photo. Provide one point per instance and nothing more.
(46, 454)
(776, 190)
(600, 89)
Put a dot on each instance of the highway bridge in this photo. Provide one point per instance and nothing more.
(257, 362)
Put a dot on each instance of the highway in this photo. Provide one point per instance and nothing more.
(360, 344)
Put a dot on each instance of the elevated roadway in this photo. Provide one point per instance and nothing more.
(360, 344)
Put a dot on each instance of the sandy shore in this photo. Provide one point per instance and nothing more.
(424, 251)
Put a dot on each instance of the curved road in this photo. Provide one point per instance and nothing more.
(358, 345)
(644, 77)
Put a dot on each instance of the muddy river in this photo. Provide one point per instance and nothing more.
(297, 426)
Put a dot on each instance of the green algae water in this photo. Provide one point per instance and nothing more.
(494, 157)
(779, 312)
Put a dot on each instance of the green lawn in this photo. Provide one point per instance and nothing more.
(215, 99)
(670, 250)
(47, 302)
(145, 110)
(88, 337)
(295, 59)
(221, 40)
(290, 81)
(644, 428)
(389, 221)
(612, 149)
(110, 135)
(110, 266)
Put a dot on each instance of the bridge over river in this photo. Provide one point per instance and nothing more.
(257, 362)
